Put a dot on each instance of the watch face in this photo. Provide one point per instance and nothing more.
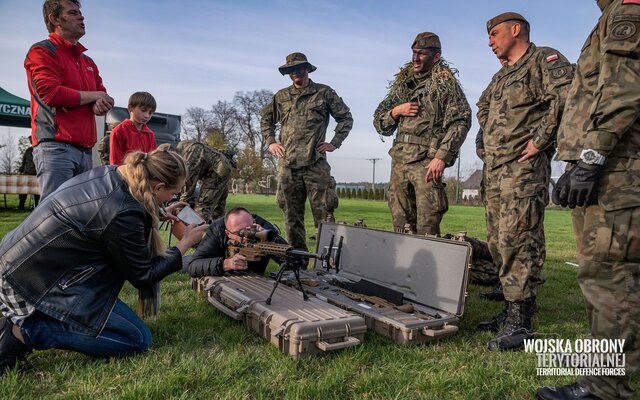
(589, 156)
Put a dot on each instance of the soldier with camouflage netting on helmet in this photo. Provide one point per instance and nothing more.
(426, 106)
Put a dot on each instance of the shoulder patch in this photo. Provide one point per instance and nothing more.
(623, 30)
(558, 73)
(552, 57)
(630, 1)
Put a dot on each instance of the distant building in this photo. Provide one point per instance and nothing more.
(471, 187)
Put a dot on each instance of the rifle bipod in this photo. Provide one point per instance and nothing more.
(296, 272)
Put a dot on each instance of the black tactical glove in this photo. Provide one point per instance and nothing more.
(577, 186)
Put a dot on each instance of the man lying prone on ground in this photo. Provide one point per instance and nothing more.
(211, 258)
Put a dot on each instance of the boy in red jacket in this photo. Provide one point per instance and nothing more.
(133, 133)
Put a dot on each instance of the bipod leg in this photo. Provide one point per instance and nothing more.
(296, 272)
(283, 266)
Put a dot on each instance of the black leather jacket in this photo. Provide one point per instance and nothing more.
(72, 254)
(209, 257)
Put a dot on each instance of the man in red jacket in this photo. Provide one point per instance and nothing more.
(66, 94)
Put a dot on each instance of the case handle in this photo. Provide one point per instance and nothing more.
(350, 341)
(233, 314)
(444, 330)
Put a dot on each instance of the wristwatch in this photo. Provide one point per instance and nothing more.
(592, 157)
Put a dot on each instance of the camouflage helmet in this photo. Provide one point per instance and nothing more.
(504, 17)
(426, 40)
(293, 60)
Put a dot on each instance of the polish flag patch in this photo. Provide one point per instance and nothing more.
(554, 57)
(630, 1)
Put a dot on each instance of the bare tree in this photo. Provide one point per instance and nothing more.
(8, 153)
(196, 122)
(224, 117)
(24, 142)
(249, 106)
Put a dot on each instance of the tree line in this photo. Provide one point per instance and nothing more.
(233, 127)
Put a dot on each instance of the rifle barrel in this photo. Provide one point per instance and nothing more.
(303, 254)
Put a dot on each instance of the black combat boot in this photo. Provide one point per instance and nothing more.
(494, 294)
(574, 391)
(517, 326)
(495, 324)
(11, 349)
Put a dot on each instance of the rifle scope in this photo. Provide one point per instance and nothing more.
(252, 233)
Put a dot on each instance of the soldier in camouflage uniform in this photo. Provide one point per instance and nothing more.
(303, 111)
(103, 149)
(27, 167)
(519, 115)
(431, 114)
(600, 139)
(213, 169)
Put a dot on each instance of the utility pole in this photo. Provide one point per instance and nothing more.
(373, 160)
(458, 178)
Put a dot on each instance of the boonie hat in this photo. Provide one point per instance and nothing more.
(293, 60)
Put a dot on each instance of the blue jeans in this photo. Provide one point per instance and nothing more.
(57, 162)
(123, 335)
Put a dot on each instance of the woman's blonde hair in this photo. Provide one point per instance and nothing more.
(141, 171)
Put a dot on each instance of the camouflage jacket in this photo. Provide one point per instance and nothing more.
(103, 150)
(203, 162)
(603, 105)
(479, 140)
(303, 116)
(524, 101)
(442, 123)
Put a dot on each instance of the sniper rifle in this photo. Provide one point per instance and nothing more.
(258, 243)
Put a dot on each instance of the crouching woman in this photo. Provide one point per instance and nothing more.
(62, 269)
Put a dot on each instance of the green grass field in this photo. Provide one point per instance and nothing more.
(199, 353)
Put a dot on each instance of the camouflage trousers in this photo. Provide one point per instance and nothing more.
(295, 185)
(414, 201)
(608, 239)
(516, 196)
(212, 201)
(483, 272)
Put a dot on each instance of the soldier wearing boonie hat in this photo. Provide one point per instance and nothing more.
(293, 61)
(430, 116)
(519, 113)
(303, 110)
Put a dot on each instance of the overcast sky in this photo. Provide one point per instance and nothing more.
(196, 52)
